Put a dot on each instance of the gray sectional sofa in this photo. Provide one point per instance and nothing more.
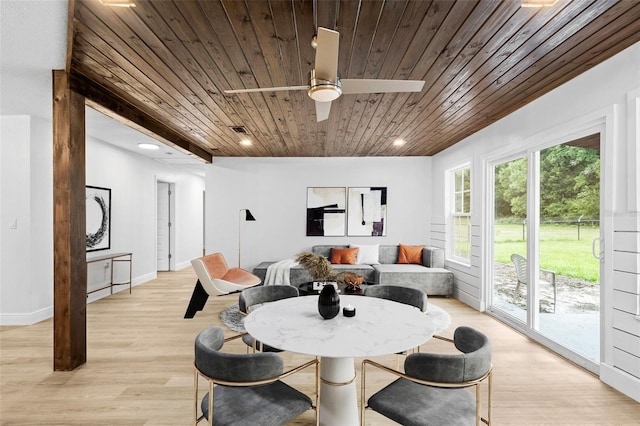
(430, 276)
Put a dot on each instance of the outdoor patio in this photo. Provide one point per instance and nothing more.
(576, 321)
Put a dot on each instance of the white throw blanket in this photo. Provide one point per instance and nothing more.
(278, 273)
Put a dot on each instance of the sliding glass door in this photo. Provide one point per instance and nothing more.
(546, 234)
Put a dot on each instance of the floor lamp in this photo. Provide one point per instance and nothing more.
(248, 217)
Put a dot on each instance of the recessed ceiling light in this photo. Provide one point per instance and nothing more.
(538, 3)
(398, 142)
(150, 146)
(246, 142)
(118, 3)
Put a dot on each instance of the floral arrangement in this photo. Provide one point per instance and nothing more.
(349, 278)
(318, 266)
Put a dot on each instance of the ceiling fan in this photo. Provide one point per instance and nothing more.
(325, 85)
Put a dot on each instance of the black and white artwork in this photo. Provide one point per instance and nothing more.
(98, 230)
(326, 211)
(367, 212)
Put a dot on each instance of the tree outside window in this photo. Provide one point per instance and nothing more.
(461, 214)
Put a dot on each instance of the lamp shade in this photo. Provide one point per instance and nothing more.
(248, 216)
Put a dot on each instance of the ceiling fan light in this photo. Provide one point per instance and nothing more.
(322, 90)
(325, 93)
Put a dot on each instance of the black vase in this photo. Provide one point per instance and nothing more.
(328, 302)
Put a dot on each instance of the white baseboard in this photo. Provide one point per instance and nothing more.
(467, 299)
(621, 381)
(27, 319)
(183, 265)
(46, 313)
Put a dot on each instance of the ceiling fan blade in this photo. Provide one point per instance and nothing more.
(268, 89)
(322, 110)
(352, 86)
(328, 43)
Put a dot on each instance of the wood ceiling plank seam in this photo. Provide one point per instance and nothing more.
(578, 45)
(110, 56)
(110, 104)
(305, 30)
(232, 67)
(387, 29)
(517, 49)
(267, 38)
(155, 40)
(347, 20)
(464, 78)
(137, 83)
(363, 34)
(570, 68)
(455, 20)
(326, 13)
(90, 73)
(245, 33)
(192, 42)
(100, 29)
(556, 40)
(286, 34)
(465, 37)
(452, 79)
(407, 30)
(444, 17)
(581, 68)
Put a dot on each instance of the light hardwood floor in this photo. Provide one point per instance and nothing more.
(140, 356)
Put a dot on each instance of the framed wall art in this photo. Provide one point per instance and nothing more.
(98, 230)
(326, 211)
(367, 211)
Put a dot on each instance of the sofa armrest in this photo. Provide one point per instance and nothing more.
(433, 257)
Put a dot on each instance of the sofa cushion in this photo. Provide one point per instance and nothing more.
(410, 254)
(344, 256)
(433, 281)
(367, 254)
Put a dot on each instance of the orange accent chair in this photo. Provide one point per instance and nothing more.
(215, 278)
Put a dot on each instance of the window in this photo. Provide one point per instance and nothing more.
(461, 213)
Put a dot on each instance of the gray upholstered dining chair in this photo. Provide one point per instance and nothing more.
(431, 391)
(406, 295)
(246, 389)
(253, 297)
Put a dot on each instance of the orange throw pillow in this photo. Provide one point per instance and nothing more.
(410, 254)
(344, 256)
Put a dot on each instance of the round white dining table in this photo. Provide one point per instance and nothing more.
(379, 327)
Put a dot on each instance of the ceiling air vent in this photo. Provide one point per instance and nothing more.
(240, 129)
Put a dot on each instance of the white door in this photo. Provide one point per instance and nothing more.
(164, 226)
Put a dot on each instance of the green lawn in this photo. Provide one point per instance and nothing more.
(560, 250)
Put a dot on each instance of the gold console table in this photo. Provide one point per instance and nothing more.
(113, 257)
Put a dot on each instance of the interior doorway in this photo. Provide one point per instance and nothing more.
(165, 229)
(546, 246)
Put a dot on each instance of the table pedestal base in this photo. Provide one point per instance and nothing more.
(338, 392)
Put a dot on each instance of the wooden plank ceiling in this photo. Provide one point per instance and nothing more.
(164, 65)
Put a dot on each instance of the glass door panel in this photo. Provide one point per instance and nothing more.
(509, 290)
(569, 289)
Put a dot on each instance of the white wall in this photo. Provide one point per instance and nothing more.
(132, 179)
(275, 190)
(26, 185)
(600, 99)
(27, 201)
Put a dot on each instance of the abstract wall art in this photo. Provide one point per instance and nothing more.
(326, 207)
(367, 211)
(98, 230)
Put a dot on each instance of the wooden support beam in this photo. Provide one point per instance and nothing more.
(69, 223)
(119, 109)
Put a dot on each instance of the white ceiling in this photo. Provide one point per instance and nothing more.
(33, 40)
